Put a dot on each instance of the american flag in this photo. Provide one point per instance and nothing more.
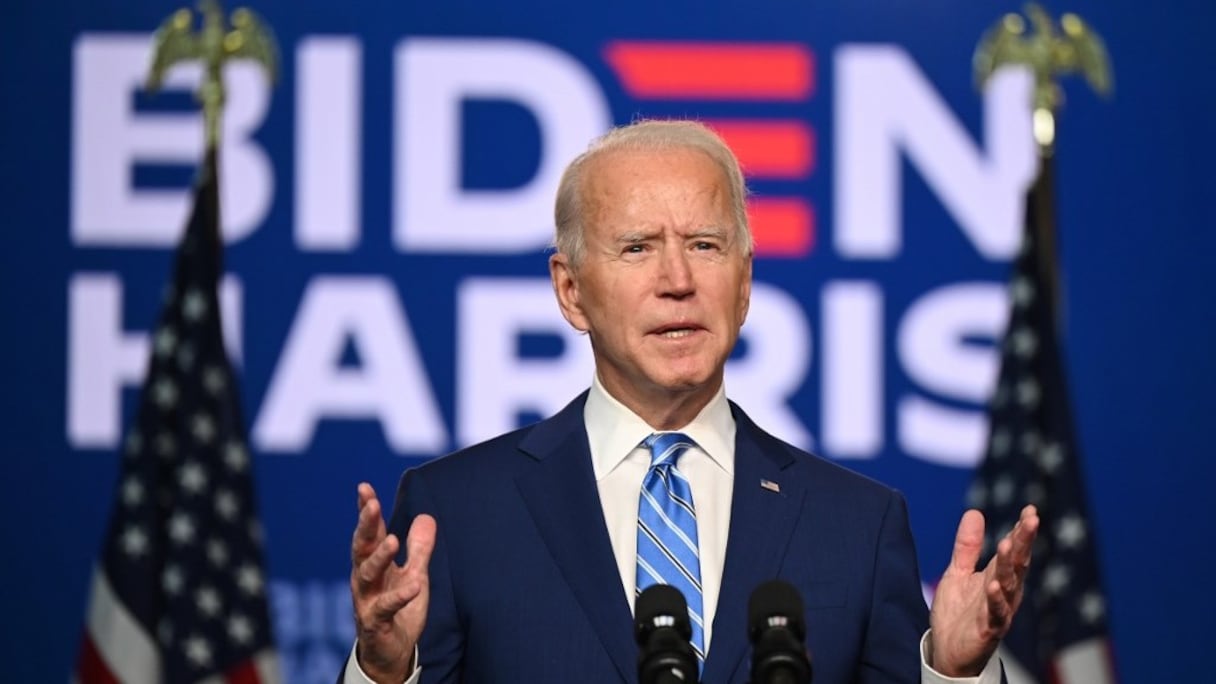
(179, 591)
(1060, 633)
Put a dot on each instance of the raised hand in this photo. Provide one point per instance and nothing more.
(972, 610)
(390, 600)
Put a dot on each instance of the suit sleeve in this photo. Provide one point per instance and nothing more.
(441, 647)
(898, 614)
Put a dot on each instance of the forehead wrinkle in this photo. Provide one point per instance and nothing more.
(613, 206)
(669, 213)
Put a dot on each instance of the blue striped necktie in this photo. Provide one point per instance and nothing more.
(667, 530)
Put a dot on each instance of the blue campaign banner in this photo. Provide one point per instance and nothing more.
(388, 205)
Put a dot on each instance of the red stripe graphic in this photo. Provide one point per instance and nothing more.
(91, 668)
(769, 149)
(714, 71)
(782, 226)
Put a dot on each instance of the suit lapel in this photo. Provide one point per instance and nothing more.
(761, 522)
(561, 495)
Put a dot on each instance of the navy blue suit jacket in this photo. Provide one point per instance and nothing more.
(525, 587)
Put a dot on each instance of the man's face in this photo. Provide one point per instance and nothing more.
(664, 282)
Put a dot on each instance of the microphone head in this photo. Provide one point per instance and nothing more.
(775, 604)
(663, 630)
(661, 606)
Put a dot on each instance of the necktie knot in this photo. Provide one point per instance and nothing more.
(667, 447)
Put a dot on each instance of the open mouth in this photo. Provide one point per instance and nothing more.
(677, 331)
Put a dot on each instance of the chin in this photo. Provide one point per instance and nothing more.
(685, 381)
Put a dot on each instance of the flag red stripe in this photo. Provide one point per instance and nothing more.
(244, 673)
(91, 668)
(730, 71)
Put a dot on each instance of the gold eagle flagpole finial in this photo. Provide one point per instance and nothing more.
(214, 44)
(1050, 53)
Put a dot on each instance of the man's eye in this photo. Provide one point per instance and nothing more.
(634, 249)
(703, 245)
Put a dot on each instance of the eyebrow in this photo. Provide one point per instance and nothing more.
(709, 231)
(635, 236)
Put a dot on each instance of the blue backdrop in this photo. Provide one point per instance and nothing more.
(364, 311)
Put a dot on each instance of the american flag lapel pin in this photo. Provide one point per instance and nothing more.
(770, 486)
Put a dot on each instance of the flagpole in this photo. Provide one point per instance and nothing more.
(1049, 52)
(179, 589)
(214, 44)
(1033, 455)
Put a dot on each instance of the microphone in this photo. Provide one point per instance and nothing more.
(662, 631)
(778, 633)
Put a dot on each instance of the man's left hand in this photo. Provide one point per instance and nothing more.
(972, 610)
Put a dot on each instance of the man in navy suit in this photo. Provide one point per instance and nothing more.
(524, 553)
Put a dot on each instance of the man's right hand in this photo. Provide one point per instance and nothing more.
(390, 600)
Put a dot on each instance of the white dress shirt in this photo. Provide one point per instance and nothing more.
(619, 462)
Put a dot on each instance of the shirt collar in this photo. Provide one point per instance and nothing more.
(614, 431)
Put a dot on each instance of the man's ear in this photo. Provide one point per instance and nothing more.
(565, 287)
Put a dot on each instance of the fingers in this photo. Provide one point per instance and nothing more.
(1013, 552)
(1007, 571)
(398, 590)
(366, 493)
(1022, 537)
(390, 601)
(419, 543)
(968, 542)
(371, 524)
(369, 575)
(999, 612)
(386, 606)
(386, 592)
(372, 549)
(1004, 569)
(369, 531)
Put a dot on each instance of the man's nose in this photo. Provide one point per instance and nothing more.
(676, 277)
